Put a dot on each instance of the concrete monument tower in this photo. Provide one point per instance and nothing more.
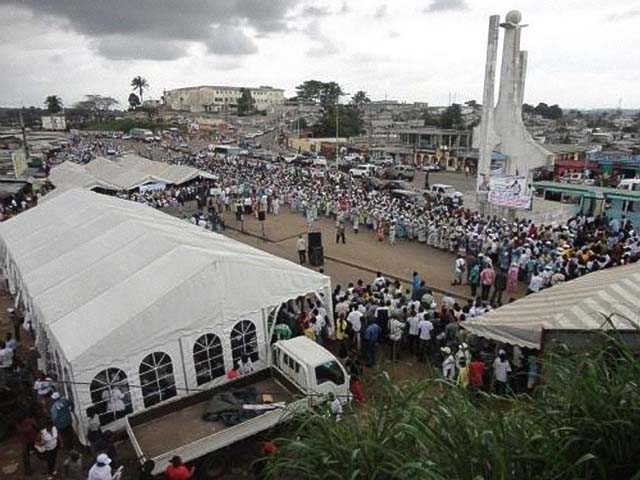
(501, 128)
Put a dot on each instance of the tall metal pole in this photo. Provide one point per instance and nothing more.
(24, 135)
(337, 127)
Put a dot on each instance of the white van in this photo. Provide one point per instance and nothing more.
(366, 170)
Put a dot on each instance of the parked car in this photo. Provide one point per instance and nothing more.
(406, 172)
(576, 178)
(410, 195)
(447, 191)
(320, 162)
(631, 184)
(366, 170)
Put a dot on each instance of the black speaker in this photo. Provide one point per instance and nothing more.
(316, 256)
(314, 239)
(262, 216)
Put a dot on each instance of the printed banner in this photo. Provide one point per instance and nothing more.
(506, 190)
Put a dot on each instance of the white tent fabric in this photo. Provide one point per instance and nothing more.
(108, 281)
(96, 269)
(579, 305)
(125, 173)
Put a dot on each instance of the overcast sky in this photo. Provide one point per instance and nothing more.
(581, 53)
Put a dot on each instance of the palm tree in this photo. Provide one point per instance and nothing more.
(360, 99)
(53, 103)
(139, 83)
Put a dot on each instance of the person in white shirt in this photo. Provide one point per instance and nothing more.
(101, 470)
(47, 445)
(396, 327)
(6, 357)
(335, 407)
(448, 365)
(301, 247)
(412, 321)
(246, 365)
(355, 319)
(536, 283)
(380, 282)
(501, 370)
(424, 333)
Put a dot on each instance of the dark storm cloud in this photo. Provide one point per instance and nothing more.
(445, 5)
(162, 29)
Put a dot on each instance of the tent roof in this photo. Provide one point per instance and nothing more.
(579, 304)
(125, 173)
(109, 277)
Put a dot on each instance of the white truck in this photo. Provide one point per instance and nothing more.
(300, 375)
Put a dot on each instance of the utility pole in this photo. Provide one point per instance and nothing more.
(24, 135)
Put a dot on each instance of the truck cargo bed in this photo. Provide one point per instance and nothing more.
(178, 427)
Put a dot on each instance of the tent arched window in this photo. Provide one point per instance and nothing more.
(110, 395)
(156, 378)
(208, 358)
(244, 341)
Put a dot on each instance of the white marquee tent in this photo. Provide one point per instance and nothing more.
(572, 308)
(122, 296)
(124, 173)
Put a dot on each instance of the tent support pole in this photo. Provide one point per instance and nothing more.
(184, 368)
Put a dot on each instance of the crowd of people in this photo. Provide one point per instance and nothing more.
(408, 323)
(493, 255)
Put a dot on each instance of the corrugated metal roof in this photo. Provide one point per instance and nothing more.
(581, 304)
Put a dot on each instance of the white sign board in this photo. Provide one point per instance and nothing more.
(506, 190)
(54, 122)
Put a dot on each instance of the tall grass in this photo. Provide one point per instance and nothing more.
(583, 423)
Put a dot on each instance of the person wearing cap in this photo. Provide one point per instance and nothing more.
(60, 413)
(449, 364)
(501, 370)
(101, 470)
(178, 470)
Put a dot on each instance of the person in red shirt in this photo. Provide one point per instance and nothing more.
(178, 470)
(28, 429)
(476, 372)
(356, 389)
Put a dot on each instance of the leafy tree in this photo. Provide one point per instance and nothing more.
(330, 94)
(350, 122)
(472, 104)
(150, 110)
(309, 91)
(53, 103)
(134, 101)
(554, 112)
(246, 103)
(139, 83)
(96, 105)
(526, 108)
(429, 120)
(452, 117)
(360, 99)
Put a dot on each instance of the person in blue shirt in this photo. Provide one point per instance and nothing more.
(371, 337)
(61, 417)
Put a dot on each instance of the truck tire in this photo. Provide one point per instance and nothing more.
(214, 466)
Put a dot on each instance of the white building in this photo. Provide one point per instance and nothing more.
(211, 98)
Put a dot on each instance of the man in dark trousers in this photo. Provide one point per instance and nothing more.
(499, 286)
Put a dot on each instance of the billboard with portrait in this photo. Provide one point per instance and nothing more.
(506, 190)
